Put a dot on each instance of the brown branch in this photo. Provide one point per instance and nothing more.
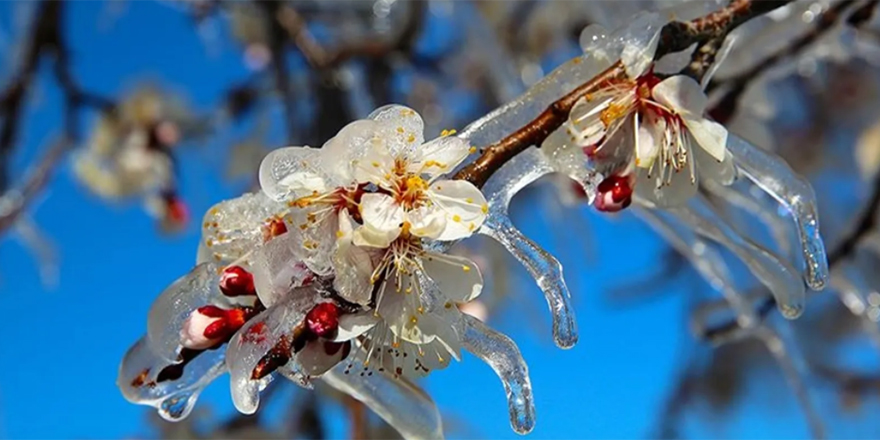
(674, 37)
(703, 58)
(735, 86)
(358, 415)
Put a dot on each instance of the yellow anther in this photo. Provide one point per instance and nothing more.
(469, 200)
(303, 226)
(612, 113)
(472, 150)
(466, 268)
(340, 234)
(434, 163)
(448, 305)
(375, 164)
(411, 138)
(209, 242)
(413, 319)
(421, 310)
(456, 218)
(471, 226)
(400, 130)
(485, 208)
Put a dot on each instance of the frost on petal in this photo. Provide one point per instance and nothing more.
(457, 277)
(402, 127)
(710, 135)
(383, 218)
(681, 94)
(235, 227)
(171, 309)
(777, 179)
(353, 265)
(464, 205)
(402, 404)
(639, 39)
(652, 189)
(649, 132)
(314, 237)
(545, 269)
(291, 173)
(504, 357)
(399, 306)
(270, 330)
(340, 154)
(439, 156)
(275, 269)
(173, 390)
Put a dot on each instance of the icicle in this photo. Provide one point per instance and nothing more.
(779, 277)
(742, 198)
(169, 311)
(775, 177)
(782, 345)
(174, 398)
(543, 267)
(706, 260)
(402, 404)
(502, 354)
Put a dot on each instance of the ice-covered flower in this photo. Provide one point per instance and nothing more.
(645, 133)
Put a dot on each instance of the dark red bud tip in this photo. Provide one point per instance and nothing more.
(178, 212)
(323, 319)
(614, 194)
(236, 281)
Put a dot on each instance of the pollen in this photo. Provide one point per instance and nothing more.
(209, 242)
(466, 268)
(485, 208)
(339, 234)
(456, 218)
(411, 138)
(472, 150)
(469, 200)
(400, 130)
(413, 320)
(375, 164)
(614, 112)
(471, 227)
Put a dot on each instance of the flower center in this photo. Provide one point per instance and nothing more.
(411, 191)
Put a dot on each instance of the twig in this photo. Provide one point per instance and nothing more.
(675, 36)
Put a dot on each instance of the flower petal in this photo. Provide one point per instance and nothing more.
(291, 172)
(340, 154)
(383, 218)
(352, 325)
(376, 165)
(403, 128)
(399, 307)
(681, 94)
(426, 221)
(649, 189)
(439, 156)
(458, 278)
(319, 356)
(234, 227)
(648, 132)
(353, 265)
(710, 136)
(723, 172)
(463, 204)
(277, 269)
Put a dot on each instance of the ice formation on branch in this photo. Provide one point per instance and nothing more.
(337, 269)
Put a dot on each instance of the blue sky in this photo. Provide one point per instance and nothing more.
(61, 346)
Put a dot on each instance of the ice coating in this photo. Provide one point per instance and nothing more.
(257, 338)
(275, 269)
(169, 311)
(502, 354)
(174, 399)
(774, 176)
(234, 227)
(543, 267)
(706, 260)
(779, 277)
(397, 401)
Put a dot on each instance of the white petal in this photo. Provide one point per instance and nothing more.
(426, 221)
(340, 153)
(352, 325)
(439, 156)
(399, 307)
(376, 164)
(640, 39)
(402, 126)
(710, 135)
(381, 214)
(457, 277)
(463, 204)
(682, 94)
(368, 236)
(354, 265)
(647, 139)
(234, 227)
(291, 172)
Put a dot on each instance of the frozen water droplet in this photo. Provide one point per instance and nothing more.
(592, 36)
(178, 406)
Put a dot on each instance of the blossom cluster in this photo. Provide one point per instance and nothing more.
(338, 269)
